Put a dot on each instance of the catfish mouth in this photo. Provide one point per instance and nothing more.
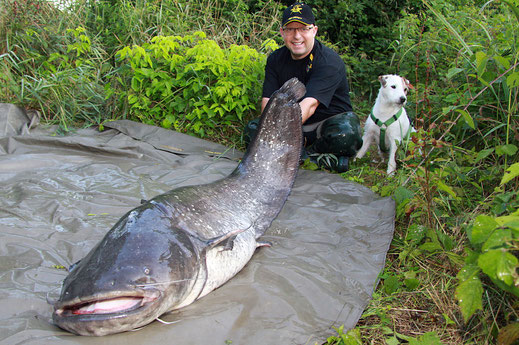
(105, 306)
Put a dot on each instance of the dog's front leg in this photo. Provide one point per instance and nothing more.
(366, 141)
(391, 165)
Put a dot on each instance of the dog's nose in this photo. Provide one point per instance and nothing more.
(403, 99)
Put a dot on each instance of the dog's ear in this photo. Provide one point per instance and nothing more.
(383, 80)
(408, 83)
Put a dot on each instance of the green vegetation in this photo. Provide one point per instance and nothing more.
(191, 84)
(451, 275)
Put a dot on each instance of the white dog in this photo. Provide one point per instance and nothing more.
(388, 123)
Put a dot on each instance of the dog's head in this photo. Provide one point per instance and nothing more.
(394, 88)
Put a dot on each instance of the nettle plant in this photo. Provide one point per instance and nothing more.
(191, 84)
(494, 243)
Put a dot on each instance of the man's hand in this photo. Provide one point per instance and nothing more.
(308, 106)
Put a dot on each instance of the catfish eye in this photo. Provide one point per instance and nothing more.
(393, 86)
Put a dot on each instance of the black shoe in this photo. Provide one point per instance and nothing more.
(341, 164)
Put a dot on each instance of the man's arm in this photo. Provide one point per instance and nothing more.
(264, 102)
(308, 106)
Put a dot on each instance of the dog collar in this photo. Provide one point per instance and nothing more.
(383, 126)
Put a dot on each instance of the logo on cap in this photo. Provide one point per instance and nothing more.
(296, 9)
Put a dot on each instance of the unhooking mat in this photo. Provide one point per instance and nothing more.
(60, 194)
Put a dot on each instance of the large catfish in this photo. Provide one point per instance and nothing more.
(181, 245)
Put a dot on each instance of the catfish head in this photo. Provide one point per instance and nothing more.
(141, 269)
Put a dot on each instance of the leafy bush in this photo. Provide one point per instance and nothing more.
(191, 84)
(494, 241)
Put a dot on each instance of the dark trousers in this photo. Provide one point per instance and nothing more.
(339, 135)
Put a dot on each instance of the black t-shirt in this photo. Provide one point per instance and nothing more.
(323, 73)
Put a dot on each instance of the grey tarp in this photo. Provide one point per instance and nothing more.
(60, 194)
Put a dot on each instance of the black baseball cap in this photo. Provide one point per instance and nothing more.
(298, 12)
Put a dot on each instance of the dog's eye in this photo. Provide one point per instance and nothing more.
(393, 86)
(406, 89)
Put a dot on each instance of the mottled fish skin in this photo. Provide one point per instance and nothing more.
(181, 245)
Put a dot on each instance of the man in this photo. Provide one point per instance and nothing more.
(329, 124)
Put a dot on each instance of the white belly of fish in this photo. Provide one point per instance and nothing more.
(222, 264)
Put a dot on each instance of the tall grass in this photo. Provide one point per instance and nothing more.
(49, 63)
(61, 59)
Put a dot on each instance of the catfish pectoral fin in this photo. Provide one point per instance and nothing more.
(226, 240)
(229, 244)
(263, 244)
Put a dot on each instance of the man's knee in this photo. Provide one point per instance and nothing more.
(340, 135)
(250, 130)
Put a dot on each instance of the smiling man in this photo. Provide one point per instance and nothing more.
(329, 124)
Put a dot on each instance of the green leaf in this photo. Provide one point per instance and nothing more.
(351, 337)
(168, 121)
(509, 150)
(513, 80)
(498, 264)
(132, 99)
(466, 116)
(483, 80)
(136, 84)
(468, 272)
(442, 186)
(510, 173)
(446, 241)
(392, 341)
(454, 71)
(402, 194)
(469, 292)
(429, 338)
(391, 285)
(497, 239)
(483, 154)
(482, 229)
(501, 204)
(503, 61)
(513, 225)
(415, 233)
(411, 284)
(472, 256)
(481, 62)
(431, 246)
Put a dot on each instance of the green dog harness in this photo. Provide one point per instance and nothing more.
(383, 126)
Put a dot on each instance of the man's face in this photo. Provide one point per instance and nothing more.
(299, 38)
